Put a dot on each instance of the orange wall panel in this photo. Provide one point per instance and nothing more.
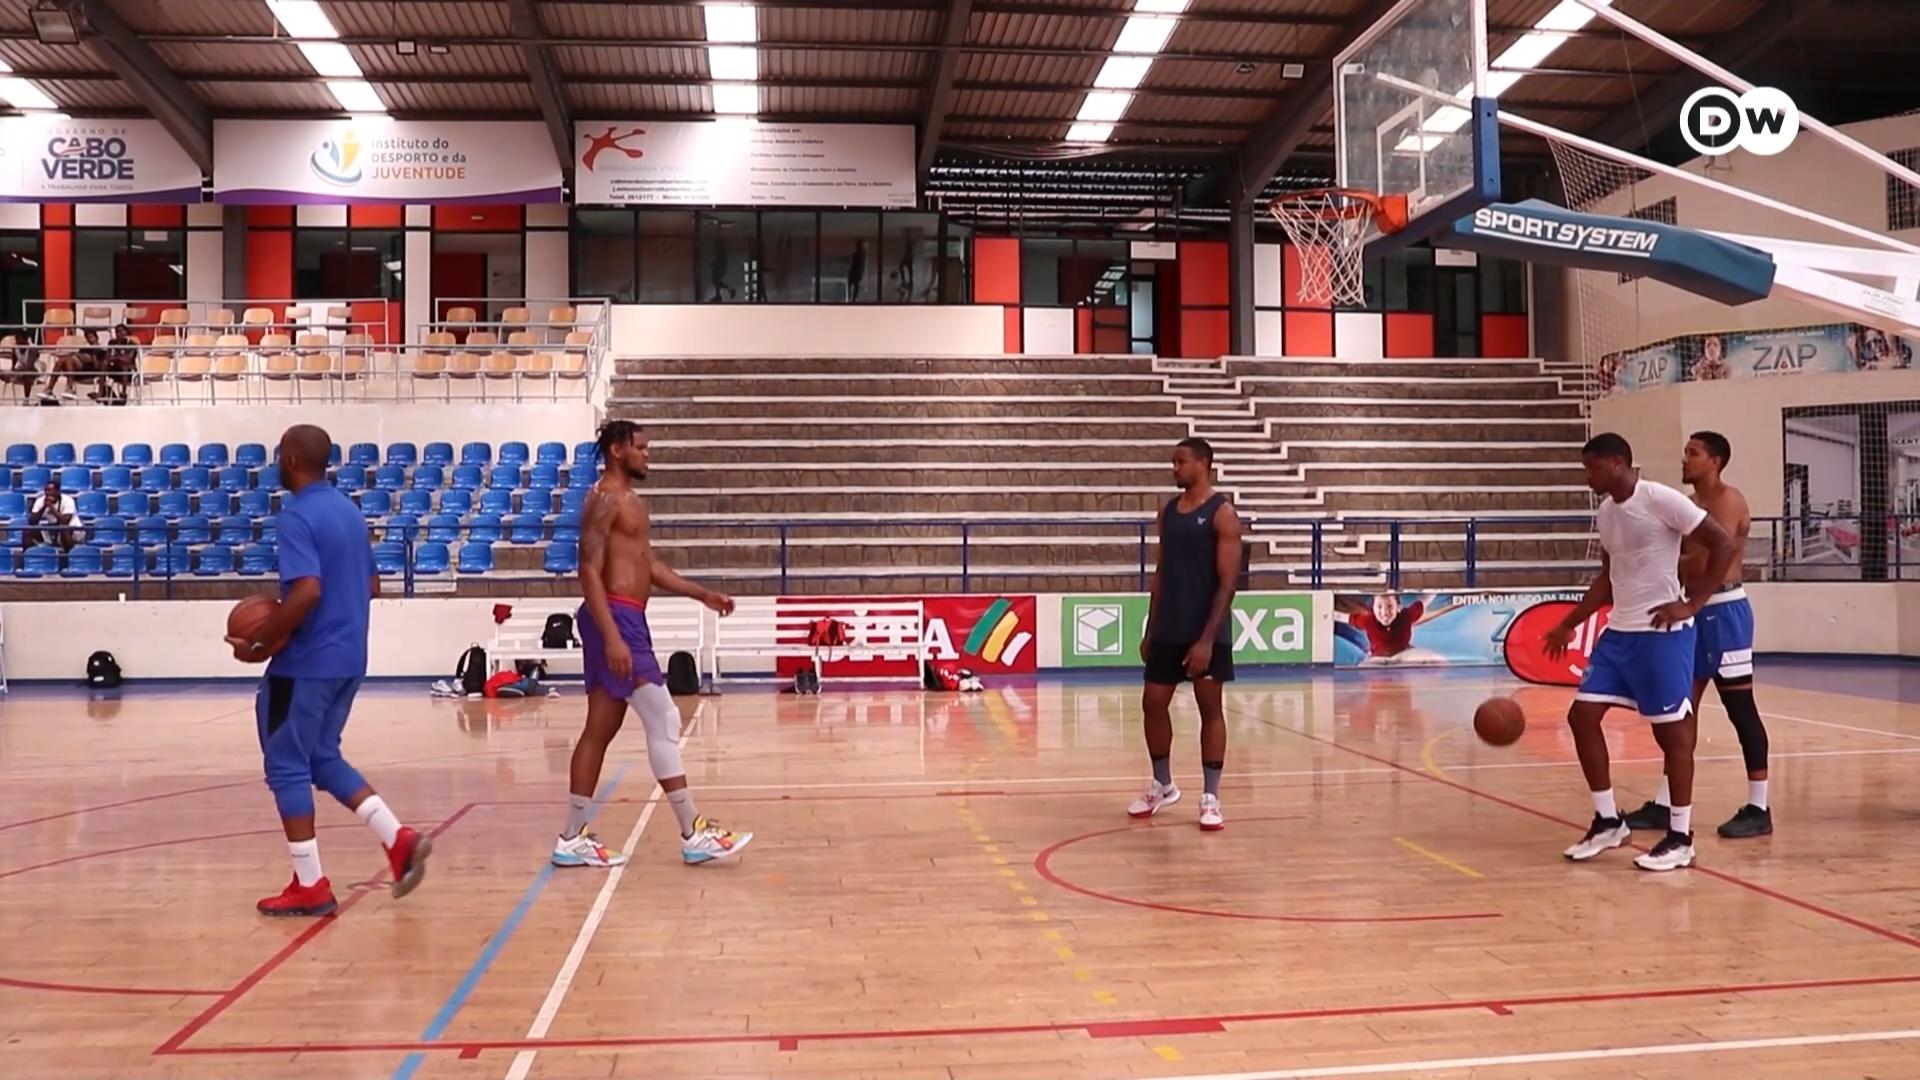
(1503, 335)
(1013, 332)
(1203, 273)
(1308, 333)
(56, 263)
(156, 216)
(1205, 333)
(1083, 330)
(269, 264)
(1290, 279)
(270, 216)
(376, 216)
(1408, 334)
(996, 270)
(56, 214)
(478, 218)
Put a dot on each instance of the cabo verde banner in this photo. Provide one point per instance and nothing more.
(381, 160)
(122, 161)
(1756, 354)
(743, 163)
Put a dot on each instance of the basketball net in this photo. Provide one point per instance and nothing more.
(1328, 228)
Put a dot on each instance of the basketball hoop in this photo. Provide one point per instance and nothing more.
(1328, 227)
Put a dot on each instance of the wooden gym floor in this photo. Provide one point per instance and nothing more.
(948, 887)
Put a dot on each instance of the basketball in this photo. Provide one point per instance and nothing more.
(1499, 721)
(246, 618)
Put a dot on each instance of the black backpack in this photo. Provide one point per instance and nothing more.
(683, 675)
(559, 632)
(471, 671)
(103, 670)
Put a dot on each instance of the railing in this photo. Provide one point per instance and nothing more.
(174, 552)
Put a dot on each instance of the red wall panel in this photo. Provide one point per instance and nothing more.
(478, 218)
(1308, 333)
(996, 270)
(1408, 334)
(1014, 334)
(1503, 335)
(156, 216)
(56, 214)
(1203, 273)
(1205, 333)
(269, 263)
(56, 263)
(1083, 330)
(270, 216)
(376, 216)
(1290, 279)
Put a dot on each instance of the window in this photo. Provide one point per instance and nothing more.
(342, 264)
(789, 249)
(1903, 199)
(129, 264)
(911, 246)
(1402, 281)
(1503, 286)
(956, 275)
(849, 258)
(606, 254)
(666, 256)
(1040, 270)
(729, 257)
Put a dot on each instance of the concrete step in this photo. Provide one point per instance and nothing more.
(675, 388)
(778, 503)
(864, 429)
(755, 410)
(1530, 388)
(1433, 429)
(957, 447)
(1460, 409)
(844, 365)
(1402, 369)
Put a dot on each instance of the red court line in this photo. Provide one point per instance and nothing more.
(125, 802)
(1098, 1029)
(80, 988)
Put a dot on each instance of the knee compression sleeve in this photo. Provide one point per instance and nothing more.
(662, 722)
(1737, 698)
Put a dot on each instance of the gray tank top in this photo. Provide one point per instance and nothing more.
(1188, 573)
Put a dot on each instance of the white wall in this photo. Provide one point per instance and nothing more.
(206, 265)
(809, 330)
(1836, 617)
(567, 421)
(546, 263)
(1046, 331)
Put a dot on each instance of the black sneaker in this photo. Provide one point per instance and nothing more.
(1673, 852)
(1651, 817)
(1749, 821)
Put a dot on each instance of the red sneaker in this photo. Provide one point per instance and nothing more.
(408, 857)
(298, 899)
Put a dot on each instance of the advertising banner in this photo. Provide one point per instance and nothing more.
(1756, 354)
(381, 160)
(122, 161)
(1526, 652)
(1429, 628)
(1106, 631)
(743, 163)
(992, 635)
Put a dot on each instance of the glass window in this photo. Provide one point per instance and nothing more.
(1406, 280)
(605, 255)
(375, 259)
(1100, 273)
(19, 276)
(789, 248)
(911, 246)
(666, 256)
(94, 253)
(956, 277)
(318, 255)
(1503, 285)
(729, 257)
(1040, 270)
(849, 258)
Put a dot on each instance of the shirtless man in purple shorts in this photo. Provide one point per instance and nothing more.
(617, 573)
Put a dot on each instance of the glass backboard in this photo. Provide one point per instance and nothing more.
(1398, 129)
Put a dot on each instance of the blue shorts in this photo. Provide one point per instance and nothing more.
(1647, 670)
(1725, 646)
(300, 723)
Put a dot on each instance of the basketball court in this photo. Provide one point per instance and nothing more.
(950, 888)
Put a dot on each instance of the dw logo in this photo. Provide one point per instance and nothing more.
(1717, 121)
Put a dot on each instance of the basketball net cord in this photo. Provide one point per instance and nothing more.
(1328, 228)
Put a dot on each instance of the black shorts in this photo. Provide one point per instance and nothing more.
(1167, 664)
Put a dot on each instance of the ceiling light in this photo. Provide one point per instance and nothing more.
(302, 19)
(1499, 82)
(735, 63)
(23, 94)
(330, 60)
(1090, 133)
(1144, 34)
(1566, 15)
(438, 48)
(356, 96)
(406, 47)
(1529, 51)
(1123, 72)
(54, 25)
(731, 22)
(1104, 106)
(1293, 71)
(736, 98)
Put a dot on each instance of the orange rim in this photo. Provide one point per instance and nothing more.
(1389, 211)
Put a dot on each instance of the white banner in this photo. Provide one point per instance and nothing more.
(743, 163)
(121, 161)
(379, 160)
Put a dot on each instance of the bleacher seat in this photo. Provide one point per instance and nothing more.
(40, 560)
(443, 528)
(269, 478)
(256, 559)
(99, 455)
(235, 478)
(133, 504)
(430, 558)
(376, 503)
(116, 478)
(544, 476)
(13, 504)
(389, 558)
(429, 477)
(76, 478)
(550, 453)
(484, 528)
(194, 529)
(537, 500)
(35, 477)
(513, 453)
(580, 478)
(110, 530)
(402, 528)
(269, 529)
(496, 502)
(123, 558)
(22, 454)
(525, 528)
(10, 531)
(254, 503)
(584, 454)
(6, 478)
(456, 501)
(404, 454)
(477, 453)
(214, 504)
(235, 531)
(172, 560)
(175, 455)
(90, 504)
(416, 502)
(363, 454)
(150, 530)
(85, 560)
(214, 561)
(193, 478)
(437, 453)
(563, 557)
(350, 478)
(476, 557)
(213, 455)
(573, 500)
(467, 477)
(137, 455)
(250, 455)
(58, 454)
(503, 477)
(390, 477)
(173, 505)
(6, 561)
(156, 478)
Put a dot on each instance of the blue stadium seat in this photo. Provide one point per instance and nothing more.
(457, 501)
(133, 504)
(573, 500)
(563, 557)
(256, 559)
(58, 454)
(116, 478)
(99, 455)
(581, 478)
(269, 529)
(22, 454)
(35, 477)
(443, 528)
(250, 455)
(136, 455)
(404, 454)
(496, 502)
(364, 454)
(110, 530)
(467, 477)
(537, 500)
(13, 504)
(176, 454)
(76, 478)
(235, 478)
(350, 478)
(429, 477)
(269, 478)
(430, 558)
(255, 503)
(550, 453)
(172, 560)
(85, 560)
(194, 529)
(484, 528)
(40, 560)
(437, 453)
(525, 528)
(173, 505)
(235, 531)
(503, 477)
(389, 559)
(476, 557)
(544, 476)
(215, 504)
(6, 561)
(122, 558)
(513, 453)
(10, 531)
(416, 502)
(585, 453)
(402, 527)
(376, 503)
(150, 530)
(90, 504)
(214, 561)
(477, 453)
(156, 478)
(6, 478)
(390, 477)
(213, 455)
(194, 478)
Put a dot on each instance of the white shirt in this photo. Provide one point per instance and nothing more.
(1642, 540)
(65, 505)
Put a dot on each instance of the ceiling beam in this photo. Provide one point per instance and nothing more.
(954, 27)
(548, 89)
(157, 88)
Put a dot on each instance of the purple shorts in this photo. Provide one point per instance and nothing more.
(630, 618)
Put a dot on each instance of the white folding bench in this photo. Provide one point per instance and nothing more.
(761, 631)
(678, 625)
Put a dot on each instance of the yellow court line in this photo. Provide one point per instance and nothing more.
(1426, 754)
(1167, 1053)
(1450, 864)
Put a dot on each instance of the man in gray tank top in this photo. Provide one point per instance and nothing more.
(1186, 637)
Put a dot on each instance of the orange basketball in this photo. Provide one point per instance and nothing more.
(1499, 721)
(246, 619)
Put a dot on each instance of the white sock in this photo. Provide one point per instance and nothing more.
(579, 810)
(306, 860)
(1757, 793)
(1665, 798)
(1603, 804)
(374, 812)
(1682, 821)
(682, 802)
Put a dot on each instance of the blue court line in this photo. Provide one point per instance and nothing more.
(444, 1018)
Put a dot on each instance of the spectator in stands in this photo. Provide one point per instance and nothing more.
(24, 370)
(122, 356)
(52, 509)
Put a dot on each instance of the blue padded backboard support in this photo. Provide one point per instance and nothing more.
(1484, 191)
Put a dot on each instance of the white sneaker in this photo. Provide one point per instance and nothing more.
(1210, 817)
(1673, 852)
(711, 843)
(1604, 834)
(1154, 799)
(585, 850)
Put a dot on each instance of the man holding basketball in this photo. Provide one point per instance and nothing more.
(618, 573)
(317, 638)
(1644, 659)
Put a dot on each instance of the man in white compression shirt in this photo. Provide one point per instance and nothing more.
(1644, 660)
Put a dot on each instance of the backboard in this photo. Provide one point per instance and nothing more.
(1396, 130)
